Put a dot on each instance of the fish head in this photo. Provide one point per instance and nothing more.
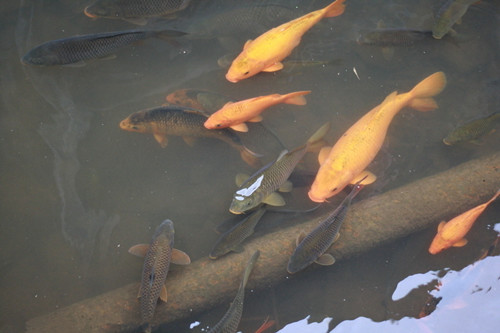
(327, 185)
(215, 122)
(452, 138)
(242, 68)
(242, 204)
(104, 8)
(41, 55)
(135, 123)
(438, 244)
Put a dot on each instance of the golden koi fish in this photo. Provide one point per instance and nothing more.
(453, 233)
(345, 163)
(266, 51)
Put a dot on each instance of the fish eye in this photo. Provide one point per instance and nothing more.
(246, 73)
(218, 125)
(333, 190)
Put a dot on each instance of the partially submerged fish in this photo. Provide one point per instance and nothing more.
(179, 121)
(203, 100)
(261, 187)
(473, 130)
(452, 233)
(393, 37)
(232, 239)
(157, 257)
(134, 11)
(80, 48)
(266, 51)
(449, 14)
(312, 248)
(234, 115)
(231, 319)
(346, 162)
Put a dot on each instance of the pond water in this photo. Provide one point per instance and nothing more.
(77, 191)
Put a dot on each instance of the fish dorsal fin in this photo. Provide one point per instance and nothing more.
(274, 67)
(163, 294)
(366, 178)
(274, 199)
(139, 250)
(241, 178)
(240, 127)
(325, 260)
(460, 243)
(161, 138)
(287, 186)
(300, 238)
(441, 226)
(283, 153)
(180, 257)
(323, 154)
(255, 119)
(247, 43)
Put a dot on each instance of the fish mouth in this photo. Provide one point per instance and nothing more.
(234, 211)
(231, 79)
(315, 199)
(86, 12)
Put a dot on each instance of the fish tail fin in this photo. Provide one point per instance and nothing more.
(336, 8)
(430, 86)
(249, 157)
(423, 104)
(319, 134)
(296, 98)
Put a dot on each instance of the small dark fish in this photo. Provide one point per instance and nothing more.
(231, 319)
(232, 239)
(393, 37)
(473, 130)
(135, 11)
(157, 257)
(79, 48)
(451, 12)
(197, 99)
(179, 121)
(312, 248)
(261, 187)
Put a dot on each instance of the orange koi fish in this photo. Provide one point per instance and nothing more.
(453, 233)
(235, 114)
(266, 51)
(267, 323)
(345, 163)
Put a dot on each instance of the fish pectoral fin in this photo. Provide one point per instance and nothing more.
(108, 57)
(274, 199)
(388, 53)
(274, 67)
(180, 257)
(460, 243)
(240, 127)
(139, 250)
(238, 248)
(139, 291)
(163, 294)
(161, 138)
(241, 178)
(248, 42)
(137, 20)
(323, 154)
(325, 260)
(370, 178)
(189, 140)
(300, 238)
(287, 186)
(441, 226)
(255, 119)
(337, 236)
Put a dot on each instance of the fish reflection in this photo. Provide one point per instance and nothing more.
(473, 130)
(134, 11)
(178, 121)
(79, 48)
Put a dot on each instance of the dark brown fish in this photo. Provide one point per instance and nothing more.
(393, 37)
(179, 121)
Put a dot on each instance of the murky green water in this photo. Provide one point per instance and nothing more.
(77, 191)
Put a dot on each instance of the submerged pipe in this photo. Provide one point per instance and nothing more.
(207, 283)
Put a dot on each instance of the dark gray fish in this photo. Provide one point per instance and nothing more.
(157, 257)
(261, 187)
(231, 319)
(134, 10)
(473, 130)
(232, 239)
(79, 48)
(393, 37)
(312, 247)
(187, 123)
(451, 12)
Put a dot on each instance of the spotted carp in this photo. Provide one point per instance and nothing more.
(473, 130)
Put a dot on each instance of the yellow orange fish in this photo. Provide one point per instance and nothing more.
(266, 51)
(235, 114)
(345, 163)
(453, 232)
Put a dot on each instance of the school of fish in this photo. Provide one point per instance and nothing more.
(202, 114)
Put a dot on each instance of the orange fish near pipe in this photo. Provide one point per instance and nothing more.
(345, 163)
(235, 114)
(266, 51)
(453, 233)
